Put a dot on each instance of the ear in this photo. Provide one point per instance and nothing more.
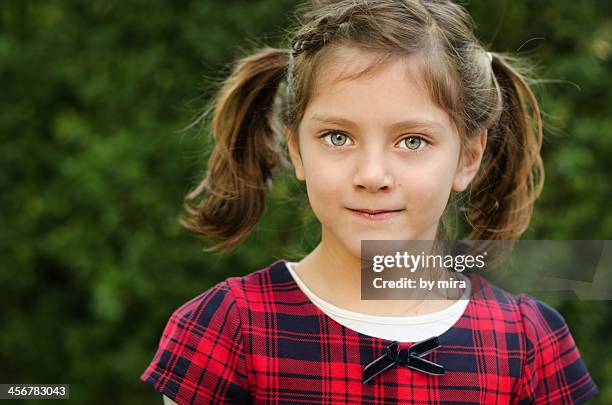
(294, 153)
(469, 162)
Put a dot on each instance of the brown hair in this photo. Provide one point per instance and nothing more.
(271, 88)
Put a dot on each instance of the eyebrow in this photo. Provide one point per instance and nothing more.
(411, 123)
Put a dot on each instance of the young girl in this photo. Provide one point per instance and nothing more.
(390, 109)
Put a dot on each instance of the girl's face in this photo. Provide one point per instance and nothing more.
(378, 143)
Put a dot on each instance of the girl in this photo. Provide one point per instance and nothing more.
(390, 109)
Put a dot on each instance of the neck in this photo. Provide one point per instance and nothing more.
(334, 274)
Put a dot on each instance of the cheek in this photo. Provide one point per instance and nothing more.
(426, 188)
(323, 184)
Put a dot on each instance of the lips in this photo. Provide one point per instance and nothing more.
(374, 214)
(368, 211)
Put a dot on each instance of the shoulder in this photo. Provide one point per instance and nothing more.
(530, 315)
(201, 355)
(200, 309)
(534, 321)
(495, 304)
(552, 367)
(546, 333)
(540, 320)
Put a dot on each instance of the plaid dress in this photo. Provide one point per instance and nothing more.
(258, 339)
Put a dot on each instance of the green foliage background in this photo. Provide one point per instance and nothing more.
(93, 170)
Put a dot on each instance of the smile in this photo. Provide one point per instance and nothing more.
(375, 216)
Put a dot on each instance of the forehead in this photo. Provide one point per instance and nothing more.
(363, 83)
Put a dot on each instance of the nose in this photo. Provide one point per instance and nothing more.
(373, 172)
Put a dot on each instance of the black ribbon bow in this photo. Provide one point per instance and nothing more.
(406, 357)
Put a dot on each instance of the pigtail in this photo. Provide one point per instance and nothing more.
(246, 152)
(502, 196)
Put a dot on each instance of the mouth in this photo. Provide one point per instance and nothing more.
(374, 214)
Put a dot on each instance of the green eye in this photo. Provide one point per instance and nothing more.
(337, 138)
(413, 142)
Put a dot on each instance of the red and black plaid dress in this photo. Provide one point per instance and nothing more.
(259, 339)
